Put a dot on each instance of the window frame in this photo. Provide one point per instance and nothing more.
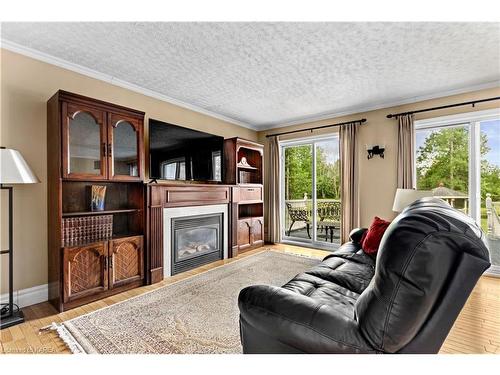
(472, 120)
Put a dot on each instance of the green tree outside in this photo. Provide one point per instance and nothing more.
(298, 174)
(444, 158)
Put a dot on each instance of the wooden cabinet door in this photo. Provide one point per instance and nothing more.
(244, 233)
(257, 231)
(84, 142)
(125, 148)
(126, 261)
(85, 271)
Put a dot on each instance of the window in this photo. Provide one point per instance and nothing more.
(458, 158)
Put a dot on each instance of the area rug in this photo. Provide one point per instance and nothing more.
(195, 315)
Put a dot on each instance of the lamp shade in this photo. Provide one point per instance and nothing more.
(405, 197)
(14, 169)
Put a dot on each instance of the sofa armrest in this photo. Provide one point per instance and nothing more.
(356, 234)
(299, 322)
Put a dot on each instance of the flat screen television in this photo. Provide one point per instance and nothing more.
(178, 153)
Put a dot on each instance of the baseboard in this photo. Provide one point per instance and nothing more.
(29, 296)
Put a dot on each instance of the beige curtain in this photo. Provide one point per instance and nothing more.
(406, 151)
(348, 173)
(272, 206)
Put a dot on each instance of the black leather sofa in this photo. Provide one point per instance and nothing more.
(404, 301)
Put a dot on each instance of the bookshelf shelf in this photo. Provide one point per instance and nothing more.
(105, 212)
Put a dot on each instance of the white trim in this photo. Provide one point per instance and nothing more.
(314, 194)
(170, 213)
(376, 106)
(281, 146)
(41, 56)
(457, 119)
(475, 171)
(29, 296)
(308, 139)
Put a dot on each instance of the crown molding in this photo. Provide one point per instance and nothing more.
(41, 56)
(377, 106)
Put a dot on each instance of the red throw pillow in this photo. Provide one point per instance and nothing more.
(372, 237)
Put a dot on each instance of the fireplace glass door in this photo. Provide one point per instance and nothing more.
(196, 240)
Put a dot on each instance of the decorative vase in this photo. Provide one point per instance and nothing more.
(98, 195)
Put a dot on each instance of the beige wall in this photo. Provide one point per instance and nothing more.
(26, 84)
(377, 176)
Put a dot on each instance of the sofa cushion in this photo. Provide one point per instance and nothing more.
(338, 280)
(352, 272)
(324, 292)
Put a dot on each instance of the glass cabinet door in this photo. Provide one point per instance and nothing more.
(124, 143)
(84, 142)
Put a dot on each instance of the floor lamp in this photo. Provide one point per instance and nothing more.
(13, 170)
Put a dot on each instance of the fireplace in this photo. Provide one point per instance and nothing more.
(196, 240)
(194, 236)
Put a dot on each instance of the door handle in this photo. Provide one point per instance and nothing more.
(110, 261)
(104, 149)
(105, 262)
(109, 150)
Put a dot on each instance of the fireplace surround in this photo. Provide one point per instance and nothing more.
(243, 219)
(193, 236)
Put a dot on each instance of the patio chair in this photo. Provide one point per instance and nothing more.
(329, 217)
(297, 214)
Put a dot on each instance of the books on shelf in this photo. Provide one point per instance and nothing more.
(84, 229)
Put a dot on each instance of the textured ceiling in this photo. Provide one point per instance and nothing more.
(266, 74)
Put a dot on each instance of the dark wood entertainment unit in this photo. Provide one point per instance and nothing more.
(160, 196)
(91, 142)
(245, 200)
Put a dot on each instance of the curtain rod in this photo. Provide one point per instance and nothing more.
(318, 127)
(472, 102)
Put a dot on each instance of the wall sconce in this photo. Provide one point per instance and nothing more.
(375, 150)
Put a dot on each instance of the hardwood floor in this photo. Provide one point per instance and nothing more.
(477, 329)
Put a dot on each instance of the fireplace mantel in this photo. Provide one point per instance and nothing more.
(160, 196)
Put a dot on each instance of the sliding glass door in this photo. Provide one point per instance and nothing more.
(310, 185)
(458, 158)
